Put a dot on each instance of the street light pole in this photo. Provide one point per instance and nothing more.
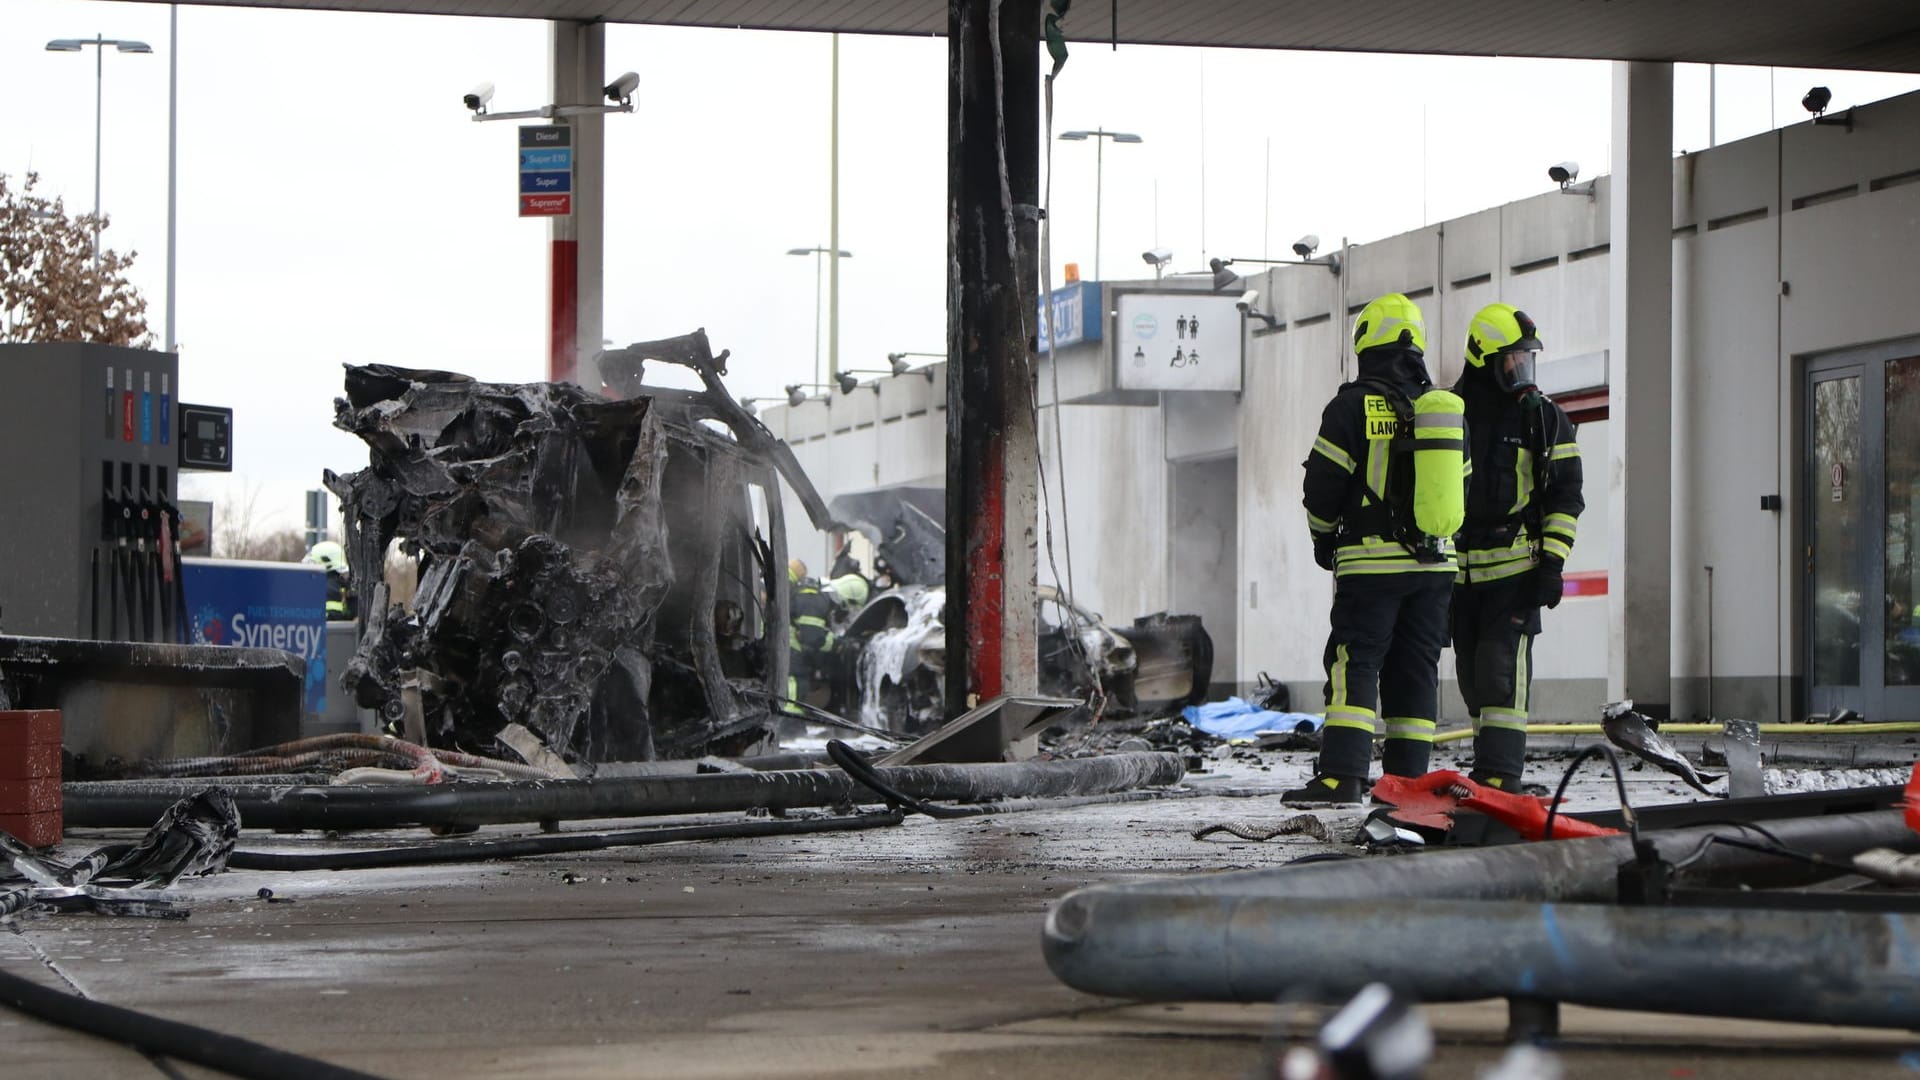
(100, 43)
(1099, 136)
(819, 252)
(173, 156)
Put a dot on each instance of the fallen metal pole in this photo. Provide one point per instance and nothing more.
(111, 805)
(470, 851)
(1817, 967)
(1323, 928)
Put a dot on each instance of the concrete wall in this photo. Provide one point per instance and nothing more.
(1787, 245)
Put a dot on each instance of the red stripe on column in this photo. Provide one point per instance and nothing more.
(986, 575)
(1586, 583)
(564, 316)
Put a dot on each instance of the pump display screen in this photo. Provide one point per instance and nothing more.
(207, 442)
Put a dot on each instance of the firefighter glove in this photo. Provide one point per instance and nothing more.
(1323, 546)
(1547, 582)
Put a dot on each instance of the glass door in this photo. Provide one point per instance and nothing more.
(1899, 654)
(1863, 532)
(1835, 568)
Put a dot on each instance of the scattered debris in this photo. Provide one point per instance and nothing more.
(1789, 781)
(193, 837)
(897, 644)
(1635, 734)
(1743, 760)
(1297, 825)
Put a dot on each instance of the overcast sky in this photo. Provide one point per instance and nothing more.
(336, 205)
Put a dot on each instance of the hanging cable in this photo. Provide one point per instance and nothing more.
(1619, 782)
(1097, 694)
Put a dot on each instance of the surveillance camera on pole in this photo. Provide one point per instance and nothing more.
(621, 89)
(1816, 102)
(1306, 246)
(1564, 174)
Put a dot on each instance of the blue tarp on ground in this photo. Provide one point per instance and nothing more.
(1238, 719)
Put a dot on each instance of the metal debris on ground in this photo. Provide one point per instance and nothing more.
(347, 756)
(608, 573)
(193, 837)
(1635, 734)
(1297, 825)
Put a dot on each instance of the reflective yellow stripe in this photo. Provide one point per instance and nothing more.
(1319, 525)
(1481, 575)
(1393, 566)
(1553, 545)
(810, 620)
(1350, 716)
(1409, 727)
(1337, 681)
(1522, 676)
(1328, 450)
(1511, 719)
(1564, 524)
(1378, 455)
(1563, 451)
(1519, 549)
(1522, 480)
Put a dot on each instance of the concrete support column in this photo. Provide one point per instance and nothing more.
(579, 52)
(1640, 388)
(993, 186)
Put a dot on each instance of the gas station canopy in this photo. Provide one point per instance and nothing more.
(1871, 35)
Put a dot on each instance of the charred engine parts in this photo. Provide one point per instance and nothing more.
(599, 571)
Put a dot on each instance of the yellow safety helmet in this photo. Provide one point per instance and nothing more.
(1504, 330)
(1390, 320)
(328, 555)
(795, 570)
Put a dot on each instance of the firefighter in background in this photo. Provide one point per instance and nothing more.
(1384, 492)
(810, 635)
(331, 557)
(849, 589)
(1523, 507)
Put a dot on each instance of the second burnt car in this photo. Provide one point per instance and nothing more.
(894, 650)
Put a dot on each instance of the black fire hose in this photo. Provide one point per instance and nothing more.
(168, 1038)
(466, 851)
(106, 804)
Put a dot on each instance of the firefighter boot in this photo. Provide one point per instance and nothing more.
(1499, 756)
(1345, 753)
(1326, 790)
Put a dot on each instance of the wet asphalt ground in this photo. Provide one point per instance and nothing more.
(909, 951)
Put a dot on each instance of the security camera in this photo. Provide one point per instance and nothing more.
(1564, 173)
(1157, 257)
(478, 97)
(1817, 100)
(1306, 246)
(622, 88)
(1247, 300)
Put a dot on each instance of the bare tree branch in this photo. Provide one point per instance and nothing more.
(51, 288)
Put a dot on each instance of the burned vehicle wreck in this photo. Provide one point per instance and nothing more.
(608, 573)
(893, 650)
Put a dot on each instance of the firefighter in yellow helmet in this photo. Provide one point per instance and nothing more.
(1384, 493)
(1523, 509)
(331, 557)
(810, 634)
